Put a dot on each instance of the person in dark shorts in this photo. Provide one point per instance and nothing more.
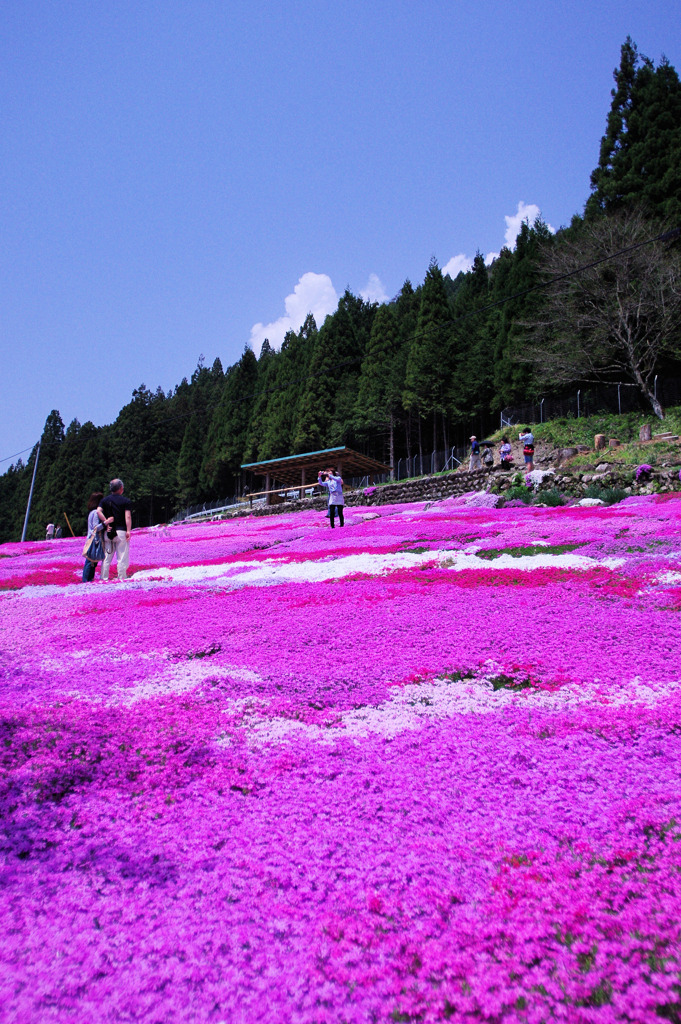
(527, 437)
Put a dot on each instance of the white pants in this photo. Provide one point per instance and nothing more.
(119, 546)
(474, 463)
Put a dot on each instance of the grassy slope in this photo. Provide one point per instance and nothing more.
(566, 433)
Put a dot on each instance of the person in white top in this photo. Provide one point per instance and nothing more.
(333, 483)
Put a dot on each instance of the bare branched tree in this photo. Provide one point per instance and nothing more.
(618, 317)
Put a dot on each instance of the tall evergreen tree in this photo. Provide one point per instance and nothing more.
(515, 276)
(427, 380)
(640, 155)
(189, 460)
(288, 384)
(380, 382)
(328, 401)
(267, 366)
(228, 431)
(470, 354)
(407, 312)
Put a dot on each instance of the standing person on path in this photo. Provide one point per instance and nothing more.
(49, 531)
(527, 437)
(93, 524)
(474, 462)
(118, 509)
(334, 485)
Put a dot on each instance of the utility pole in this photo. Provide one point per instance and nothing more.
(30, 493)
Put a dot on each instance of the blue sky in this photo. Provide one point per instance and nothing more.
(179, 178)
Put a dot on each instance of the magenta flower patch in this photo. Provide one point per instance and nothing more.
(423, 768)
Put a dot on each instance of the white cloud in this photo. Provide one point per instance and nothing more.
(528, 212)
(457, 264)
(525, 211)
(314, 294)
(374, 291)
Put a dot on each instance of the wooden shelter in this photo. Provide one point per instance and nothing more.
(300, 471)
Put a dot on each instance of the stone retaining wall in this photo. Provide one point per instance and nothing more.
(573, 483)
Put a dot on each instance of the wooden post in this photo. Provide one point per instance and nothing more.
(69, 524)
(302, 483)
(267, 487)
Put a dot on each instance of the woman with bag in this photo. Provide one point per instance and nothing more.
(527, 437)
(94, 545)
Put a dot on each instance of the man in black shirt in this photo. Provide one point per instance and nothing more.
(117, 510)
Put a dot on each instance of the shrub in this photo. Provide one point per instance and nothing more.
(519, 493)
(553, 498)
(609, 495)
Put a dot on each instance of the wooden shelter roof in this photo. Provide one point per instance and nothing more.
(288, 471)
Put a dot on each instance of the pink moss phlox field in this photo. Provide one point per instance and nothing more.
(426, 767)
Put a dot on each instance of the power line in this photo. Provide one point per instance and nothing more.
(18, 453)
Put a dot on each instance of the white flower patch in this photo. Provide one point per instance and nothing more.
(272, 571)
(413, 705)
(180, 677)
(667, 579)
(468, 559)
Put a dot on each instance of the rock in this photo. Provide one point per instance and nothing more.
(613, 443)
(370, 515)
(645, 432)
(590, 502)
(538, 476)
(567, 453)
(599, 441)
(602, 467)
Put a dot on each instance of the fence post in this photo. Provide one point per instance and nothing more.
(578, 394)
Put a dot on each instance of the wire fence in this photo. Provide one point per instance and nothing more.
(622, 397)
(607, 398)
